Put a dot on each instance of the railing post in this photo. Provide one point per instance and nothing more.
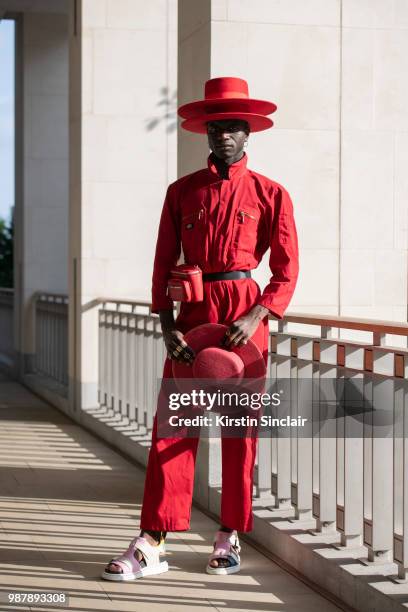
(122, 362)
(281, 456)
(263, 469)
(149, 374)
(400, 545)
(140, 370)
(158, 361)
(116, 360)
(350, 472)
(132, 348)
(350, 432)
(302, 475)
(109, 351)
(324, 470)
(378, 461)
(102, 356)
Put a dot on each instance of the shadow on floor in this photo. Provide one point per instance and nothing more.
(69, 503)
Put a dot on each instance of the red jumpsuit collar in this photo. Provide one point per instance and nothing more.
(234, 170)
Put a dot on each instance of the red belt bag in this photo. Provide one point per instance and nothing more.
(185, 284)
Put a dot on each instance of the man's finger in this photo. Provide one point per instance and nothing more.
(243, 340)
(237, 339)
(182, 354)
(232, 335)
(175, 345)
(187, 356)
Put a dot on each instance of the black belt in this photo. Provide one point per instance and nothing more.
(233, 275)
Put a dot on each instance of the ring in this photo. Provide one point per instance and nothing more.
(178, 348)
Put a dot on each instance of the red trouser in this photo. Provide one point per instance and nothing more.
(170, 471)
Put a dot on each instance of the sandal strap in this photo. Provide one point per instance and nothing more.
(226, 546)
(221, 554)
(150, 553)
(127, 564)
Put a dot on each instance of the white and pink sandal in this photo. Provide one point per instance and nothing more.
(132, 568)
(226, 546)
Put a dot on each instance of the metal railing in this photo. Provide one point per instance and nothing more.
(51, 337)
(354, 485)
(7, 355)
(357, 485)
(349, 475)
(131, 357)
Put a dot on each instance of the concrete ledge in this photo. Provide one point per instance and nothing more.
(336, 573)
(8, 366)
(50, 391)
(100, 421)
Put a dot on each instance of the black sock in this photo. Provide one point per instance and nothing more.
(156, 535)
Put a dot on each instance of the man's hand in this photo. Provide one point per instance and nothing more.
(176, 346)
(243, 328)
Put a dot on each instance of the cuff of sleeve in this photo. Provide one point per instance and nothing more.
(163, 304)
(276, 312)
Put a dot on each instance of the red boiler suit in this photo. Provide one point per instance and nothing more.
(222, 225)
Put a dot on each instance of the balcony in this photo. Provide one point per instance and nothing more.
(330, 507)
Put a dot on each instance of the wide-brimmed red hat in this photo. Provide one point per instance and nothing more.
(214, 362)
(226, 98)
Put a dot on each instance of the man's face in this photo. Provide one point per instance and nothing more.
(226, 138)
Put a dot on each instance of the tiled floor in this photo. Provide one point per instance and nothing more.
(68, 504)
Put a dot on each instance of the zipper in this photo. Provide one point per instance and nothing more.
(243, 214)
(185, 274)
(200, 214)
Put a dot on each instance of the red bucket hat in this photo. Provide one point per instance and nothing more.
(217, 363)
(226, 98)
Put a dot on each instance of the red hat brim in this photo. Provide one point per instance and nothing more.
(257, 123)
(246, 105)
(211, 334)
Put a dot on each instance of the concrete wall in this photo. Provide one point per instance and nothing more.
(45, 176)
(336, 70)
(123, 155)
(128, 145)
(374, 155)
(41, 245)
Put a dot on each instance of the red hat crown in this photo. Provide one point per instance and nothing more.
(226, 87)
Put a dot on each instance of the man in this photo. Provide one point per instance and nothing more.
(225, 217)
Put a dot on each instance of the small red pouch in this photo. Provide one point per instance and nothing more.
(186, 284)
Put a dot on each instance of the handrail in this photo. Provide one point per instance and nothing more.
(146, 303)
(360, 324)
(370, 325)
(47, 295)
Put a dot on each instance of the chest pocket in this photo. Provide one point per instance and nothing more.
(192, 233)
(246, 230)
